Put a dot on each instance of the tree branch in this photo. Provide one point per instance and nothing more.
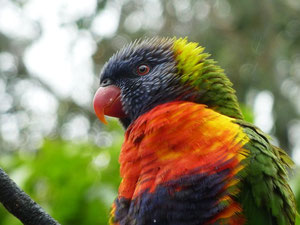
(18, 203)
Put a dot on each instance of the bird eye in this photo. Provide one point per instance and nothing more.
(105, 82)
(143, 69)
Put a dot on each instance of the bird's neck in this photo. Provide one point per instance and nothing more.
(197, 70)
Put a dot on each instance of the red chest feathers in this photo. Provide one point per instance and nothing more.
(177, 147)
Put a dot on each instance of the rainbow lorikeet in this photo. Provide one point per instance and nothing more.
(188, 157)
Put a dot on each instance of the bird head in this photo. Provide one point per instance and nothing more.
(150, 72)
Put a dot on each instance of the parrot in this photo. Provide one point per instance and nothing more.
(188, 156)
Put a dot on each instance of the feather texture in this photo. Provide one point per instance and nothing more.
(183, 163)
(188, 156)
(188, 151)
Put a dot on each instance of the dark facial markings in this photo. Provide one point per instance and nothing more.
(146, 75)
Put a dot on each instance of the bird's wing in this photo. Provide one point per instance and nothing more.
(265, 195)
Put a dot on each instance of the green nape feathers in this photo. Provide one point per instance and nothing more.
(196, 69)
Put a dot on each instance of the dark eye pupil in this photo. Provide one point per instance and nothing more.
(143, 68)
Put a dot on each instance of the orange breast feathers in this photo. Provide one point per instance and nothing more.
(177, 139)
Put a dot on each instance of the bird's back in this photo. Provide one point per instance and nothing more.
(265, 195)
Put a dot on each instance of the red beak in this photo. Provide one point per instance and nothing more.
(107, 101)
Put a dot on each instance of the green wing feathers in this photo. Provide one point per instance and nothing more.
(265, 195)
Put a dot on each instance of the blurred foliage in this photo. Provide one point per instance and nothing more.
(75, 182)
(61, 155)
(257, 43)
